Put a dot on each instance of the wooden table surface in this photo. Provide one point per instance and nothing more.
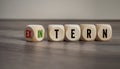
(16, 53)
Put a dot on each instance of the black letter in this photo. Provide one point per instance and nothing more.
(72, 33)
(56, 33)
(104, 33)
(88, 33)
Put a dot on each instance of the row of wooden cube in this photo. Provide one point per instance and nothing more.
(69, 32)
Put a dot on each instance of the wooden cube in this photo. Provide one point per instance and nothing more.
(34, 33)
(104, 32)
(72, 32)
(56, 32)
(88, 32)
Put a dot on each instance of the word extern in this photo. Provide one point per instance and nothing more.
(69, 32)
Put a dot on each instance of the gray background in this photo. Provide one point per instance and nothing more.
(17, 53)
(59, 9)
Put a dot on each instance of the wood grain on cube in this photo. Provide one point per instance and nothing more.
(56, 32)
(34, 33)
(88, 32)
(104, 32)
(72, 32)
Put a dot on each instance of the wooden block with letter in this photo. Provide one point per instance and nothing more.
(56, 32)
(72, 32)
(34, 33)
(104, 32)
(88, 32)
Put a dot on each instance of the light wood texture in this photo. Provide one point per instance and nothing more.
(101, 29)
(72, 32)
(56, 32)
(88, 32)
(36, 33)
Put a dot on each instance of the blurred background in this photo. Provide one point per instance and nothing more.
(60, 9)
(17, 53)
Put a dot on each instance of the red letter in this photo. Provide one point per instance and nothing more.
(28, 34)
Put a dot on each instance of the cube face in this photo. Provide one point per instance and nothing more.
(88, 32)
(56, 32)
(28, 33)
(34, 33)
(40, 32)
(72, 32)
(104, 32)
